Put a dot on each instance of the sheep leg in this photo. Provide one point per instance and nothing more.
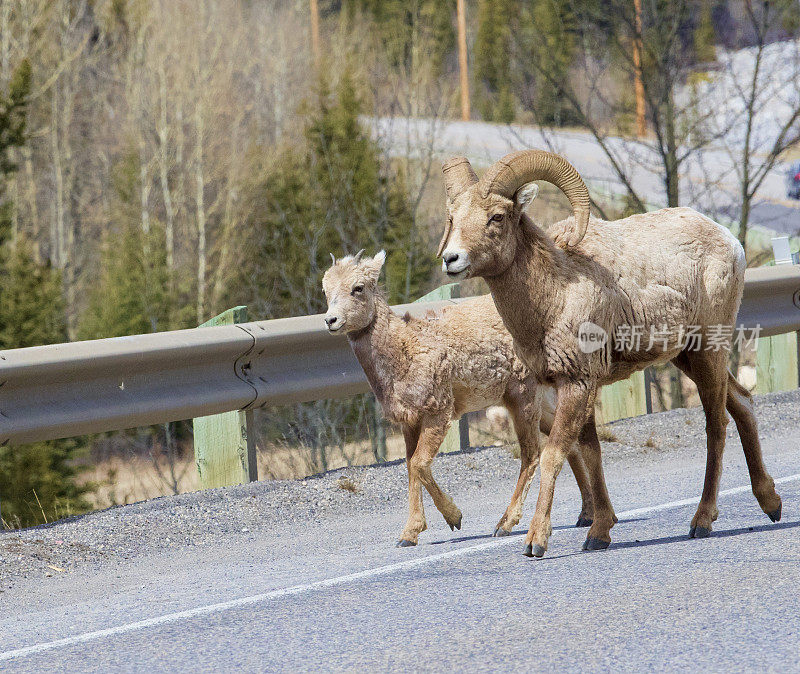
(577, 465)
(575, 399)
(739, 404)
(416, 514)
(528, 435)
(582, 477)
(710, 374)
(430, 439)
(599, 535)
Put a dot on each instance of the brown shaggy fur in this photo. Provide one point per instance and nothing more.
(673, 267)
(428, 372)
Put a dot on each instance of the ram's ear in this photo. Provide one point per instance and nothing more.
(525, 195)
(375, 264)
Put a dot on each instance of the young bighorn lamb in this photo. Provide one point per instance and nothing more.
(427, 372)
(659, 272)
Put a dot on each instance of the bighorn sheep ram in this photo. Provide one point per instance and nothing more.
(669, 273)
(427, 372)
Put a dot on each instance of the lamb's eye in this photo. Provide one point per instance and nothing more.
(497, 217)
(357, 290)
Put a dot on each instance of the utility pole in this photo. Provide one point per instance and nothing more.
(641, 125)
(315, 31)
(462, 59)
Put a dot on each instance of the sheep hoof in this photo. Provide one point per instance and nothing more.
(699, 532)
(595, 544)
(456, 525)
(500, 532)
(584, 521)
(534, 551)
(404, 543)
(775, 515)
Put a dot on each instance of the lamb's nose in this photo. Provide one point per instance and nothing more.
(330, 321)
(450, 258)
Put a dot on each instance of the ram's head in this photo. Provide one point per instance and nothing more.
(482, 231)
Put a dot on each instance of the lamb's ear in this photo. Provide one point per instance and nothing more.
(525, 195)
(375, 264)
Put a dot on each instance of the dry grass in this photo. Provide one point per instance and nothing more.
(651, 442)
(123, 480)
(606, 434)
(135, 478)
(348, 484)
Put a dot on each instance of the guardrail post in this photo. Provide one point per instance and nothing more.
(224, 444)
(648, 392)
(777, 363)
(458, 435)
(623, 399)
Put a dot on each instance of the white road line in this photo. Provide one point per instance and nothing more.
(330, 582)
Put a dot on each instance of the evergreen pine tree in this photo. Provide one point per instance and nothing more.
(704, 35)
(492, 70)
(330, 196)
(402, 22)
(134, 293)
(37, 481)
(553, 45)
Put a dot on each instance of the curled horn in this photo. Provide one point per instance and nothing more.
(333, 259)
(446, 236)
(506, 176)
(458, 176)
(357, 256)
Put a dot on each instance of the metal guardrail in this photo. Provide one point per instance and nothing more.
(63, 390)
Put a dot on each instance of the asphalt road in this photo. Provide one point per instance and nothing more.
(708, 180)
(333, 593)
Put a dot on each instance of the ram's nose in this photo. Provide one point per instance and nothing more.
(454, 261)
(331, 321)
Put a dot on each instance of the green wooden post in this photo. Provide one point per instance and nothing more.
(623, 399)
(776, 363)
(224, 444)
(458, 435)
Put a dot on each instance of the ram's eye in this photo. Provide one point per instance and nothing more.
(497, 217)
(357, 290)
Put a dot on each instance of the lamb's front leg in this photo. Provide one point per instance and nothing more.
(575, 399)
(416, 514)
(432, 433)
(527, 429)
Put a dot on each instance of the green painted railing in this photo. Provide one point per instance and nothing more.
(224, 444)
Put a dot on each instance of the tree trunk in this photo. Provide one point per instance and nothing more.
(201, 212)
(163, 140)
(671, 159)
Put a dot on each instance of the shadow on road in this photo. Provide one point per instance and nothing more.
(519, 532)
(726, 533)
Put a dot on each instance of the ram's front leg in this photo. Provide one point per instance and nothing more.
(415, 524)
(574, 401)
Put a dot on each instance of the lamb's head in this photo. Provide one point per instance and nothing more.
(350, 287)
(482, 231)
